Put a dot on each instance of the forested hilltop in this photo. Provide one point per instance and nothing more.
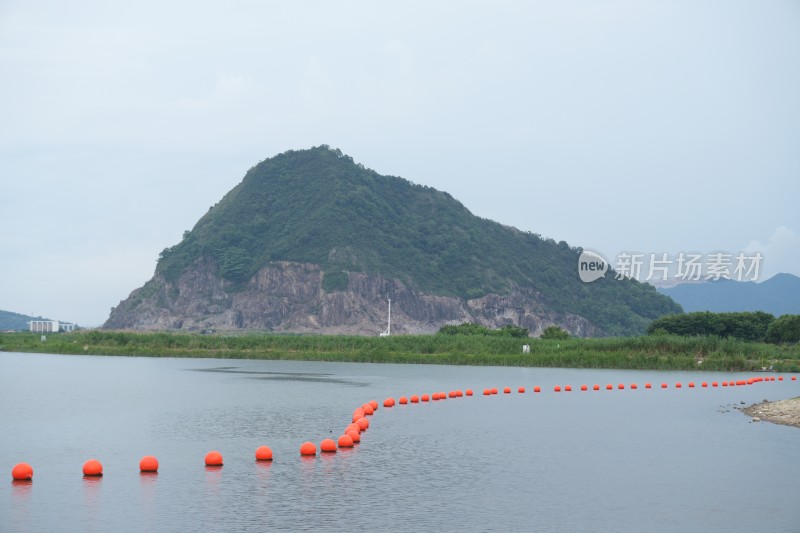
(320, 209)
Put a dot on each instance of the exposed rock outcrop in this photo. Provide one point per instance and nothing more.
(289, 297)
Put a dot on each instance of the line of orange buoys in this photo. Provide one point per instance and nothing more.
(23, 472)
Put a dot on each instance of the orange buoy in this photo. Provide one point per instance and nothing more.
(368, 410)
(263, 453)
(780, 378)
(148, 463)
(213, 458)
(596, 387)
(403, 400)
(92, 467)
(308, 448)
(663, 385)
(691, 384)
(354, 436)
(468, 392)
(621, 386)
(414, 398)
(724, 383)
(452, 394)
(424, 398)
(374, 405)
(521, 390)
(327, 446)
(506, 390)
(609, 387)
(557, 388)
(537, 388)
(362, 424)
(584, 387)
(345, 441)
(634, 386)
(388, 402)
(22, 472)
(567, 388)
(794, 378)
(648, 386)
(678, 385)
(714, 384)
(487, 392)
(494, 390)
(704, 384)
(460, 393)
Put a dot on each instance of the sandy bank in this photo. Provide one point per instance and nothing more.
(786, 412)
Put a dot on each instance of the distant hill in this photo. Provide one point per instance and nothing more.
(14, 321)
(312, 241)
(778, 295)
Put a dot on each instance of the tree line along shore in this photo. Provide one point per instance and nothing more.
(656, 352)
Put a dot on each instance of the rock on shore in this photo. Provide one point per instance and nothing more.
(786, 412)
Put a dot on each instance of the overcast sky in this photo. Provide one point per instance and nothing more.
(635, 125)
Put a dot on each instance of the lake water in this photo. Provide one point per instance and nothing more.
(622, 460)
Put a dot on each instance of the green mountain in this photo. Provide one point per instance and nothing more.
(10, 321)
(318, 207)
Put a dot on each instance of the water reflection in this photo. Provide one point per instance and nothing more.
(263, 470)
(92, 504)
(20, 499)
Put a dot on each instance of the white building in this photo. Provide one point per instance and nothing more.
(50, 326)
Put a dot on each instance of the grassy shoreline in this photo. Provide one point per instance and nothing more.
(663, 352)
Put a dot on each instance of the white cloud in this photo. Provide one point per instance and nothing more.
(781, 252)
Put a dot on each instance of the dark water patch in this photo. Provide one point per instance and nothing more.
(232, 370)
(312, 379)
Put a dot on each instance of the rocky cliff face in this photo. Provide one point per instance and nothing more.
(288, 297)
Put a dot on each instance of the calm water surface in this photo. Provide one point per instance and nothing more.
(644, 460)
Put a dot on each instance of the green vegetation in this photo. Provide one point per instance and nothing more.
(661, 352)
(467, 328)
(554, 333)
(748, 326)
(785, 329)
(334, 281)
(318, 206)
